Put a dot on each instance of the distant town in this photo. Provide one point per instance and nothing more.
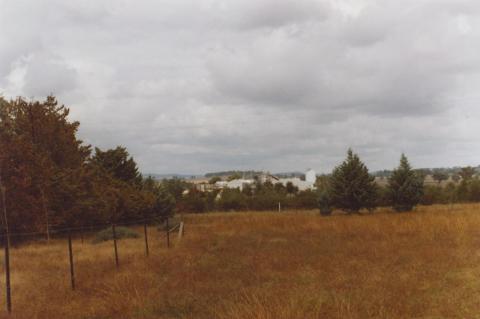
(302, 181)
(240, 181)
(434, 176)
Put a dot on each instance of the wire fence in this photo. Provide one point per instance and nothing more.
(68, 232)
(53, 229)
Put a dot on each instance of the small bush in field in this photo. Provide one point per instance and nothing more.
(107, 234)
(324, 204)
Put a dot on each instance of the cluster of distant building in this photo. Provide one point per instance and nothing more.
(205, 185)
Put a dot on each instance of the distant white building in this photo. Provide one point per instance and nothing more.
(267, 177)
(236, 183)
(302, 185)
(298, 183)
(239, 183)
(310, 176)
(221, 184)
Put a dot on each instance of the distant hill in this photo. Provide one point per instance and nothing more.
(251, 173)
(246, 174)
(170, 176)
(427, 171)
(289, 174)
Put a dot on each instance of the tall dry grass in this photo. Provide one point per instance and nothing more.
(423, 264)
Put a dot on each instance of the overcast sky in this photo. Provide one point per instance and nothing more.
(192, 86)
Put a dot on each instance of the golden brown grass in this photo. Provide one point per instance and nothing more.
(424, 264)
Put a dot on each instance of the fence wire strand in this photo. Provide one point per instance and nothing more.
(82, 228)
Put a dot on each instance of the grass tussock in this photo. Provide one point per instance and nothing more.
(423, 264)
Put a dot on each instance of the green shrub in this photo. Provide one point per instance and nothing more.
(193, 202)
(121, 232)
(324, 204)
(232, 199)
(433, 194)
(306, 199)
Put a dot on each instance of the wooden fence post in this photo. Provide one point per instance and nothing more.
(115, 245)
(81, 234)
(168, 234)
(7, 274)
(7, 249)
(70, 254)
(146, 238)
(45, 211)
(180, 230)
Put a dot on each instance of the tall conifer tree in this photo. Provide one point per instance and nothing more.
(352, 188)
(405, 187)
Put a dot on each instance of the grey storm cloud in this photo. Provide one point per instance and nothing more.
(195, 86)
(48, 75)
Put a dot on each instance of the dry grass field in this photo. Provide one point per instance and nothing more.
(424, 264)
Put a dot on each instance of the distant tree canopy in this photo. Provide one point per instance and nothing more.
(119, 164)
(51, 178)
(214, 179)
(439, 176)
(466, 173)
(290, 188)
(175, 187)
(247, 174)
(234, 176)
(266, 197)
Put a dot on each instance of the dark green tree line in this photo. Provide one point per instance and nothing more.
(52, 179)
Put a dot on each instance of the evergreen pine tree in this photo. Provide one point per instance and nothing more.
(351, 186)
(405, 187)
